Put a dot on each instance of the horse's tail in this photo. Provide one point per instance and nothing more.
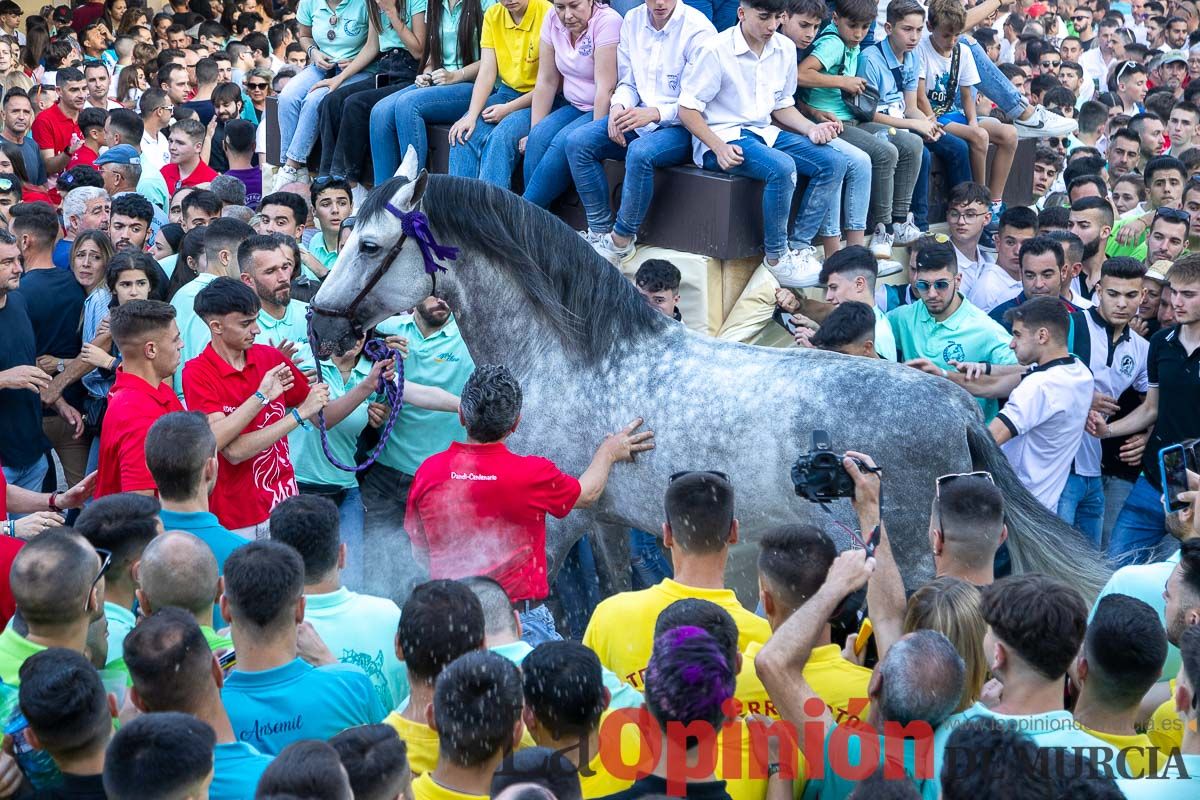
(1038, 541)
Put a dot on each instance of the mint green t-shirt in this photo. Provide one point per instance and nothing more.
(968, 334)
(442, 360)
(15, 650)
(846, 746)
(308, 458)
(237, 768)
(836, 59)
(349, 31)
(1146, 582)
(271, 708)
(168, 264)
(120, 622)
(623, 695)
(192, 330)
(316, 246)
(360, 630)
(293, 326)
(448, 32)
(389, 39)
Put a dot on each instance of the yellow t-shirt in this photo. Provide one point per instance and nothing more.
(1166, 728)
(1138, 757)
(621, 631)
(422, 743)
(840, 683)
(516, 46)
(426, 788)
(599, 782)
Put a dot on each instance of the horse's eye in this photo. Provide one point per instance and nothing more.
(368, 248)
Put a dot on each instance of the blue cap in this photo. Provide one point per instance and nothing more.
(121, 154)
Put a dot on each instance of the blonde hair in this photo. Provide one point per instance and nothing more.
(953, 608)
(947, 12)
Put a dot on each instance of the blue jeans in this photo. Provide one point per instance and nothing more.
(857, 196)
(1140, 526)
(351, 521)
(537, 626)
(299, 109)
(547, 173)
(587, 148)
(398, 122)
(994, 85)
(1116, 492)
(29, 477)
(920, 201)
(578, 587)
(1082, 505)
(955, 155)
(646, 560)
(491, 153)
(777, 167)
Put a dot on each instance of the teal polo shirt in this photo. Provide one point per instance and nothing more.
(835, 59)
(623, 695)
(168, 264)
(293, 326)
(1146, 582)
(388, 38)
(316, 246)
(347, 22)
(442, 360)
(204, 525)
(308, 458)
(968, 334)
(914, 757)
(269, 709)
(361, 631)
(237, 766)
(193, 330)
(120, 622)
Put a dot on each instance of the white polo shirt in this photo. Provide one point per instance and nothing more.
(993, 287)
(972, 270)
(1116, 366)
(735, 89)
(1046, 414)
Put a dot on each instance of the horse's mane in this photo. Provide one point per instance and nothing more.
(587, 301)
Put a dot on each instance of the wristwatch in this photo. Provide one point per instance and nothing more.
(61, 366)
(773, 769)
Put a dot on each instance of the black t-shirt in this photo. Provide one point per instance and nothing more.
(216, 153)
(1176, 373)
(203, 108)
(55, 303)
(654, 785)
(75, 787)
(21, 439)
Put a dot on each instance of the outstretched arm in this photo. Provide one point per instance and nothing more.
(622, 446)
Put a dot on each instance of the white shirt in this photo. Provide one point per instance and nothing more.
(935, 69)
(154, 154)
(1095, 68)
(993, 287)
(972, 270)
(1115, 367)
(885, 337)
(650, 63)
(735, 89)
(1046, 414)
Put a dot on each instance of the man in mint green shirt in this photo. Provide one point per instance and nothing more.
(944, 327)
(57, 581)
(357, 628)
(280, 319)
(437, 356)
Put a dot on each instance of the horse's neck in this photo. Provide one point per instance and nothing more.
(499, 323)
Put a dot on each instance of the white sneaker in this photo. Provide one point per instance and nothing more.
(613, 253)
(881, 243)
(905, 233)
(589, 236)
(287, 175)
(888, 267)
(796, 269)
(1044, 123)
(358, 195)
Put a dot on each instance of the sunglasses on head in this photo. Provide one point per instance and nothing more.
(105, 563)
(1125, 67)
(1172, 215)
(946, 480)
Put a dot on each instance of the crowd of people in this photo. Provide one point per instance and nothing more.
(187, 593)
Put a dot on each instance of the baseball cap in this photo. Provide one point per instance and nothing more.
(1171, 57)
(120, 154)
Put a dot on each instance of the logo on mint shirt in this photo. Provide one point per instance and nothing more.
(954, 352)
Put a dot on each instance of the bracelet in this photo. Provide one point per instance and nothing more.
(53, 505)
(262, 398)
(10, 528)
(300, 420)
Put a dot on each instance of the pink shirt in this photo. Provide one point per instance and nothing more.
(577, 63)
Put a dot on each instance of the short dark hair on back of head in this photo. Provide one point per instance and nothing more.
(794, 561)
(564, 688)
(972, 512)
(854, 260)
(1095, 204)
(67, 75)
(476, 704)
(127, 123)
(134, 322)
(1040, 618)
(263, 581)
(64, 701)
(499, 617)
(1041, 245)
(158, 755)
(1056, 217)
(536, 771)
(169, 661)
(239, 136)
(1042, 312)
(658, 275)
(376, 759)
(308, 768)
(442, 620)
(121, 523)
(849, 323)
(309, 524)
(177, 447)
(855, 10)
(969, 192)
(91, 119)
(703, 614)
(1084, 165)
(1012, 760)
(1125, 647)
(134, 206)
(52, 577)
(1021, 218)
(290, 200)
(204, 199)
(1123, 268)
(491, 402)
(37, 219)
(1092, 116)
(1083, 180)
(1072, 245)
(699, 509)
(226, 296)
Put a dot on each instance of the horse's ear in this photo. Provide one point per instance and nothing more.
(411, 192)
(409, 166)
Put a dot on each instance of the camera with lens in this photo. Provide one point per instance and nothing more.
(819, 475)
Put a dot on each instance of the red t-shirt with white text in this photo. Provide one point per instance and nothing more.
(480, 509)
(245, 492)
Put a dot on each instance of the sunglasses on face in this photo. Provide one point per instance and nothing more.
(256, 87)
(1051, 64)
(941, 285)
(105, 563)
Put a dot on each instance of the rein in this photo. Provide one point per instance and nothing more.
(416, 225)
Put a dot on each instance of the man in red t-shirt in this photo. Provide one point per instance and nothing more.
(184, 146)
(56, 130)
(479, 509)
(254, 397)
(146, 333)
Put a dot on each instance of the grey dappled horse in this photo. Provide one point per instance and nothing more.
(591, 355)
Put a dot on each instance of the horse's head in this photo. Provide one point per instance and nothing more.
(385, 267)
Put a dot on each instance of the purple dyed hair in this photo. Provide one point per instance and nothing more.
(688, 678)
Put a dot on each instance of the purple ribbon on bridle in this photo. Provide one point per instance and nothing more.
(412, 224)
